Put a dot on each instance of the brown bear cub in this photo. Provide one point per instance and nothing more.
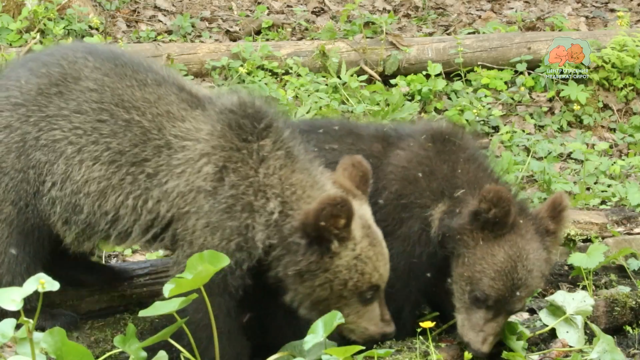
(459, 241)
(99, 144)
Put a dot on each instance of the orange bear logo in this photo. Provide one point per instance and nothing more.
(576, 55)
(560, 55)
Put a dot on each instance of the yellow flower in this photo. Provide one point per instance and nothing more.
(427, 324)
(521, 88)
(576, 107)
(620, 14)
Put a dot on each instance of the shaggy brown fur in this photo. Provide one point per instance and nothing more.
(460, 243)
(98, 144)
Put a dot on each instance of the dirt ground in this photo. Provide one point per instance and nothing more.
(230, 20)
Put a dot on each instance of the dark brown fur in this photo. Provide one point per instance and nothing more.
(98, 144)
(459, 241)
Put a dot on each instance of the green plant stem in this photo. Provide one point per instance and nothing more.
(193, 344)
(213, 323)
(278, 355)
(30, 336)
(443, 328)
(181, 349)
(560, 349)
(110, 353)
(586, 280)
(550, 326)
(35, 319)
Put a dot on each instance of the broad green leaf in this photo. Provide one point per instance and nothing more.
(633, 264)
(129, 343)
(515, 336)
(571, 328)
(322, 328)
(56, 344)
(167, 306)
(391, 64)
(198, 271)
(604, 346)
(40, 282)
(576, 356)
(576, 303)
(165, 334)
(577, 306)
(620, 254)
(591, 259)
(7, 328)
(296, 348)
(344, 351)
(380, 353)
(512, 356)
(24, 348)
(161, 356)
(19, 357)
(12, 298)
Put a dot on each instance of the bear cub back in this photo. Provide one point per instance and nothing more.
(100, 144)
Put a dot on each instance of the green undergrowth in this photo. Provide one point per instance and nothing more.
(30, 344)
(547, 134)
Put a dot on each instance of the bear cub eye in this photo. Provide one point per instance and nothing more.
(369, 296)
(479, 299)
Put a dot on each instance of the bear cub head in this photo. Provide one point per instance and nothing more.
(344, 263)
(502, 253)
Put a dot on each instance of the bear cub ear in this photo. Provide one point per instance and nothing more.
(328, 221)
(553, 215)
(354, 171)
(493, 210)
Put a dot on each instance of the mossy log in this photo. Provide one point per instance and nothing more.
(487, 49)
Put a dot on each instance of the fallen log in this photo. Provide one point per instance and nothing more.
(146, 278)
(141, 287)
(487, 49)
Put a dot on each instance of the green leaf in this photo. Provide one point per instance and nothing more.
(199, 270)
(604, 347)
(161, 356)
(633, 264)
(391, 64)
(620, 254)
(344, 351)
(576, 356)
(591, 259)
(322, 328)
(163, 335)
(515, 336)
(296, 348)
(24, 348)
(56, 344)
(167, 306)
(512, 356)
(379, 353)
(12, 298)
(576, 306)
(40, 282)
(129, 343)
(7, 328)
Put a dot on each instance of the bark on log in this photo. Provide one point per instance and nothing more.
(492, 49)
(141, 288)
(144, 286)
